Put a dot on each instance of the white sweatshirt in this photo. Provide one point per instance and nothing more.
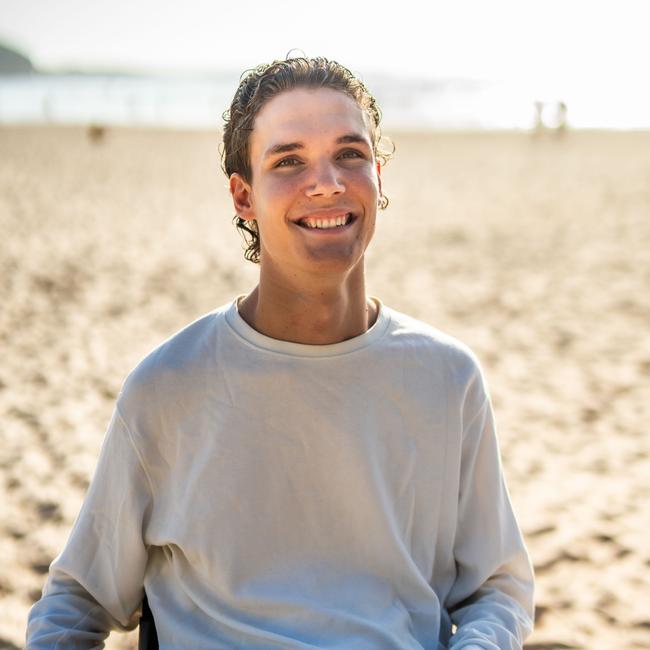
(270, 494)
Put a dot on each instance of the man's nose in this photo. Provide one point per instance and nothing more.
(326, 181)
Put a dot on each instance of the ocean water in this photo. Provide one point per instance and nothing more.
(198, 102)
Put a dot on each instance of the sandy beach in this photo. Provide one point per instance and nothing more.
(533, 250)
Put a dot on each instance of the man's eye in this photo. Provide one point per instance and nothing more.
(351, 153)
(287, 162)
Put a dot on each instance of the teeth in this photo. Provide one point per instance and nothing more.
(327, 223)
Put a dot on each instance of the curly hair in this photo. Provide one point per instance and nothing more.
(264, 82)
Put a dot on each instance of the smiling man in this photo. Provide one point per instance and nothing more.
(303, 467)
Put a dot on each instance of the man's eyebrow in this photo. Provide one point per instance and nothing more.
(351, 138)
(285, 147)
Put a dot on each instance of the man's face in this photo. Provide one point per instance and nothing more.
(315, 182)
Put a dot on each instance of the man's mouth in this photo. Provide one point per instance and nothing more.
(339, 221)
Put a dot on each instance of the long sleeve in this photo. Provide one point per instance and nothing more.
(95, 584)
(491, 601)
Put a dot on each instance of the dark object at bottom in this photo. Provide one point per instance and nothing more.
(148, 639)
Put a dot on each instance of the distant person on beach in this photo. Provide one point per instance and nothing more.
(303, 467)
(557, 122)
(561, 118)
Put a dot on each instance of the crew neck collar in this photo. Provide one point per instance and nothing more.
(289, 348)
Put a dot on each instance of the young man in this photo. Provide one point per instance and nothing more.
(304, 467)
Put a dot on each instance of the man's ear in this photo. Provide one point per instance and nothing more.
(379, 177)
(241, 191)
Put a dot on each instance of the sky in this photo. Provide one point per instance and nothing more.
(550, 44)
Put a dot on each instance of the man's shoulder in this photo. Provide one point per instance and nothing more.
(433, 344)
(177, 364)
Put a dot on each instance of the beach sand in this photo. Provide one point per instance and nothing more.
(535, 251)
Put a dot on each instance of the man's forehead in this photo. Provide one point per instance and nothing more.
(305, 115)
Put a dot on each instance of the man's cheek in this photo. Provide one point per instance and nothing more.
(283, 186)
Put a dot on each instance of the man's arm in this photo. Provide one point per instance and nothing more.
(491, 602)
(95, 584)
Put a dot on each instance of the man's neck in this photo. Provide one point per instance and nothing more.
(318, 314)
